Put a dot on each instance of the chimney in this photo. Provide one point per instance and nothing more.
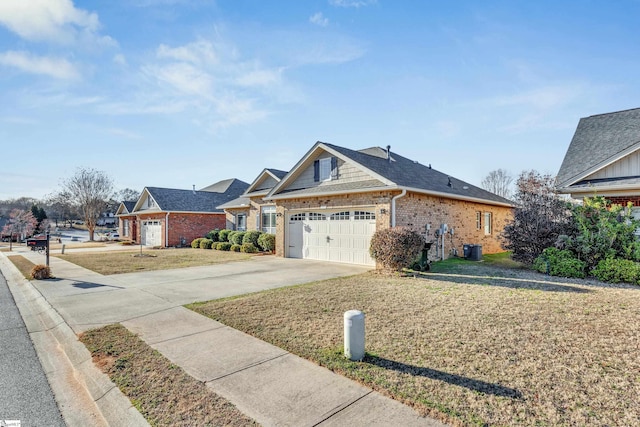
(194, 189)
(389, 153)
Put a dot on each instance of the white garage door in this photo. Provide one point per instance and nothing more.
(340, 236)
(151, 233)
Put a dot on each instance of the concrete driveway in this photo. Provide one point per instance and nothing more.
(86, 300)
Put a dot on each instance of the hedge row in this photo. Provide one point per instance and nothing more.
(236, 241)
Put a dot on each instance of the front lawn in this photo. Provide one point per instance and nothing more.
(477, 345)
(117, 262)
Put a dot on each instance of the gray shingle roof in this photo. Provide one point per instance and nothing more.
(129, 205)
(277, 172)
(176, 200)
(597, 140)
(411, 174)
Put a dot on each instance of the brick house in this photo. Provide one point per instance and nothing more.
(166, 217)
(604, 159)
(127, 221)
(250, 211)
(333, 200)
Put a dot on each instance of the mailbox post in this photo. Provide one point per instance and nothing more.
(47, 250)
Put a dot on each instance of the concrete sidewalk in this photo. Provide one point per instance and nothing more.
(265, 382)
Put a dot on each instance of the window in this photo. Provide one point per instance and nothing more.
(241, 222)
(487, 223)
(359, 215)
(340, 216)
(125, 227)
(269, 219)
(314, 216)
(478, 220)
(325, 169)
(298, 217)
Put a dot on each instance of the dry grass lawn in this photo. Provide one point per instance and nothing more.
(477, 345)
(163, 393)
(23, 264)
(117, 262)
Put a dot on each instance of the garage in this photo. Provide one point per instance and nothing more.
(151, 233)
(338, 236)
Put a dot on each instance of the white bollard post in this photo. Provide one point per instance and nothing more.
(354, 335)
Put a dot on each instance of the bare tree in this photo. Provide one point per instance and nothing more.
(498, 182)
(89, 191)
(124, 195)
(60, 208)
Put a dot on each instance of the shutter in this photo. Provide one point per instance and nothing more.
(316, 171)
(334, 168)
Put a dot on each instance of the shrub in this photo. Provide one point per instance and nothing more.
(248, 248)
(223, 246)
(213, 235)
(195, 243)
(267, 242)
(237, 237)
(223, 235)
(235, 247)
(395, 248)
(40, 272)
(616, 270)
(206, 243)
(230, 236)
(252, 237)
(561, 263)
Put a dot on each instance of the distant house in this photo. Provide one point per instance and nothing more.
(604, 159)
(173, 217)
(333, 200)
(250, 211)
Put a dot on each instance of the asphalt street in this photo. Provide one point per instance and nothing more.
(25, 394)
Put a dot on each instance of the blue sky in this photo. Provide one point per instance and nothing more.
(175, 93)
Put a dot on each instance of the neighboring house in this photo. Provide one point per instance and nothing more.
(250, 211)
(173, 217)
(333, 200)
(127, 221)
(604, 159)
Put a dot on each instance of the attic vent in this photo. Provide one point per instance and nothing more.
(389, 153)
(194, 189)
(450, 184)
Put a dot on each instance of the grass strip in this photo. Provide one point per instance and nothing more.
(163, 393)
(483, 346)
(118, 262)
(23, 264)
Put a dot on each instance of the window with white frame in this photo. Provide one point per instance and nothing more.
(478, 220)
(298, 217)
(325, 169)
(268, 219)
(125, 227)
(487, 223)
(340, 216)
(314, 216)
(241, 222)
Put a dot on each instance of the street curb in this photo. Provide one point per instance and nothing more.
(84, 394)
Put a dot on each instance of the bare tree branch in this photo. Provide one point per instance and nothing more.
(498, 182)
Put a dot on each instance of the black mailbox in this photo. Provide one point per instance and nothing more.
(37, 243)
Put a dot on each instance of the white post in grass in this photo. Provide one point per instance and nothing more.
(354, 335)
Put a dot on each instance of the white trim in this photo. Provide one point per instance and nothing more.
(607, 162)
(393, 206)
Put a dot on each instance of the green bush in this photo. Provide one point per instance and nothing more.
(235, 247)
(267, 242)
(237, 237)
(616, 270)
(213, 235)
(205, 243)
(230, 236)
(561, 263)
(195, 243)
(395, 248)
(252, 237)
(223, 235)
(223, 246)
(248, 248)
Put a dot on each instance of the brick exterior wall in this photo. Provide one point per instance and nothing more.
(414, 211)
(624, 200)
(181, 225)
(252, 211)
(133, 225)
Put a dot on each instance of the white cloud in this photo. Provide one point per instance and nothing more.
(199, 52)
(185, 78)
(124, 133)
(260, 77)
(57, 21)
(120, 59)
(54, 67)
(352, 3)
(319, 19)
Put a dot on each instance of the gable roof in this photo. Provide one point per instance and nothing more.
(599, 141)
(125, 207)
(207, 201)
(252, 191)
(387, 171)
(230, 186)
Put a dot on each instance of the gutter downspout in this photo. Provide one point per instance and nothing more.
(393, 206)
(166, 230)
